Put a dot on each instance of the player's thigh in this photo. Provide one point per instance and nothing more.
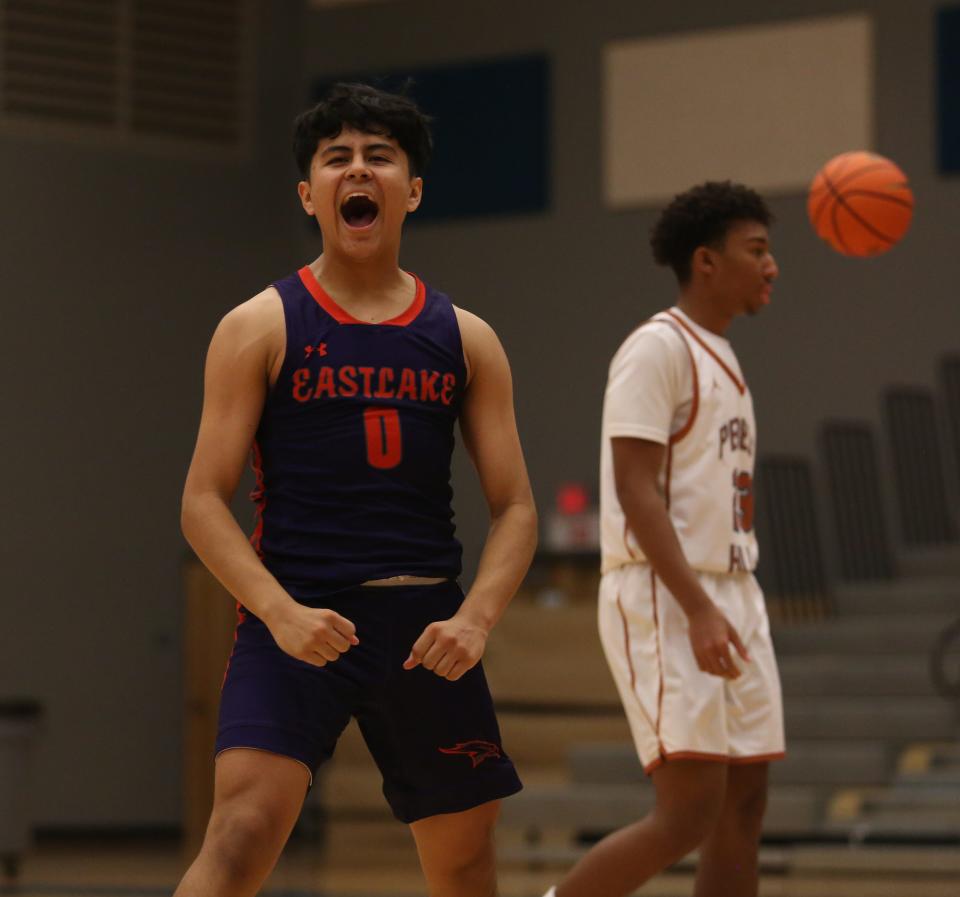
(754, 709)
(437, 743)
(451, 841)
(257, 799)
(645, 636)
(628, 634)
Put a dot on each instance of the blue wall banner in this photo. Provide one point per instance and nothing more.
(948, 88)
(491, 128)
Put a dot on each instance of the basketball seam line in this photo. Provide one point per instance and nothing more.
(848, 160)
(873, 166)
(840, 201)
(836, 229)
(880, 195)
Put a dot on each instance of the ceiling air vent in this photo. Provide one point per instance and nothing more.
(187, 69)
(139, 71)
(60, 60)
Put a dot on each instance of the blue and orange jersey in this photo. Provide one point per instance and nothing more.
(352, 455)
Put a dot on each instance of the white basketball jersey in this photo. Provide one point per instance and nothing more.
(676, 383)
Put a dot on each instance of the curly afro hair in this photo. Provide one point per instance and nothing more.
(371, 111)
(701, 217)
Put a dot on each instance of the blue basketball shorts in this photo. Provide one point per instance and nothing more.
(437, 743)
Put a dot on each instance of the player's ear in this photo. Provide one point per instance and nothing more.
(702, 260)
(416, 194)
(303, 190)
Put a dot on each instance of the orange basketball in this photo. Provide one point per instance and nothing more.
(860, 203)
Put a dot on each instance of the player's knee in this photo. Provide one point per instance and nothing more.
(472, 873)
(466, 868)
(475, 858)
(689, 818)
(689, 832)
(746, 808)
(241, 841)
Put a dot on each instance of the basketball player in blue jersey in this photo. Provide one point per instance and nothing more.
(346, 380)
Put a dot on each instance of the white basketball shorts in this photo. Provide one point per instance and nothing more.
(675, 710)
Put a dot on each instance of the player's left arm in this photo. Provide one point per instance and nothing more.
(489, 428)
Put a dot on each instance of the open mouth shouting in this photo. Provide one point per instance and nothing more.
(359, 211)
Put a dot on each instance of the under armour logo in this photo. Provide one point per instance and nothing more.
(477, 751)
(319, 348)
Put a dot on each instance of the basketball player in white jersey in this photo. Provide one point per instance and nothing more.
(682, 619)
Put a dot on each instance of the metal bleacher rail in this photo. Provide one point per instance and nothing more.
(853, 476)
(945, 662)
(792, 568)
(948, 376)
(914, 437)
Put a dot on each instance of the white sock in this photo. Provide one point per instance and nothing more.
(551, 893)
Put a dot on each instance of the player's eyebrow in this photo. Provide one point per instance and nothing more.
(371, 148)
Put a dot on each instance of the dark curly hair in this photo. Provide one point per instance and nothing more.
(367, 109)
(701, 217)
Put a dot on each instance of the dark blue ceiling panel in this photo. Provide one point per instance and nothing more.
(491, 128)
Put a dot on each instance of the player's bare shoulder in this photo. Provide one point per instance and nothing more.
(258, 319)
(254, 333)
(482, 348)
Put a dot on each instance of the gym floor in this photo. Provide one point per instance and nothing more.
(378, 860)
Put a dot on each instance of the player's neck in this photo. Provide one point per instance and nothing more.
(367, 280)
(704, 310)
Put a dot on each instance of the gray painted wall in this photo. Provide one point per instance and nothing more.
(118, 265)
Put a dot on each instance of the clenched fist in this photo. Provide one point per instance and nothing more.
(449, 648)
(315, 635)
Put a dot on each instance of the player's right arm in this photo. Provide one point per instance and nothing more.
(245, 354)
(637, 464)
(648, 381)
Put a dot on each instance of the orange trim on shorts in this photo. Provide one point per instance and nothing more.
(626, 643)
(711, 758)
(633, 674)
(626, 542)
(741, 386)
(656, 627)
(757, 758)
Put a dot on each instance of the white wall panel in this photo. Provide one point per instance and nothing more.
(766, 105)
